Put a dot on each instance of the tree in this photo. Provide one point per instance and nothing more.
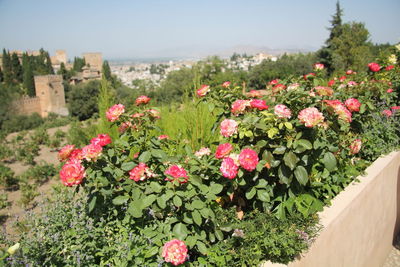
(63, 71)
(83, 100)
(16, 68)
(107, 71)
(49, 67)
(7, 69)
(1, 76)
(79, 63)
(28, 80)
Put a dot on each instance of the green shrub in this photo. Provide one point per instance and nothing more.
(39, 174)
(7, 179)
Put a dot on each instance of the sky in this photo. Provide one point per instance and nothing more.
(156, 28)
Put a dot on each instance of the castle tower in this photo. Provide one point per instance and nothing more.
(50, 91)
(94, 60)
(61, 56)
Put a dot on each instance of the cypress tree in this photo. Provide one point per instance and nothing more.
(62, 71)
(106, 71)
(7, 69)
(28, 80)
(16, 68)
(49, 67)
(1, 75)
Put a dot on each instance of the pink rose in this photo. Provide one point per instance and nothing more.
(76, 154)
(339, 109)
(319, 66)
(254, 93)
(309, 75)
(273, 82)
(349, 72)
(204, 89)
(91, 152)
(387, 112)
(374, 67)
(248, 159)
(177, 172)
(163, 136)
(140, 172)
(124, 126)
(142, 100)
(65, 152)
(331, 82)
(390, 67)
(279, 87)
(395, 107)
(282, 111)
(355, 146)
(114, 112)
(310, 117)
(223, 150)
(175, 252)
(239, 106)
(101, 140)
(390, 90)
(258, 104)
(228, 127)
(72, 173)
(204, 151)
(226, 84)
(353, 104)
(228, 168)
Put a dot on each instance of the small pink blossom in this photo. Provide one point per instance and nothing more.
(343, 78)
(331, 82)
(204, 151)
(282, 111)
(248, 159)
(91, 152)
(114, 112)
(319, 66)
(177, 173)
(395, 107)
(137, 115)
(351, 83)
(65, 152)
(139, 173)
(204, 89)
(387, 112)
(142, 100)
(223, 150)
(163, 136)
(350, 72)
(274, 82)
(293, 86)
(72, 173)
(239, 106)
(355, 146)
(278, 87)
(175, 252)
(308, 76)
(353, 104)
(101, 140)
(226, 84)
(339, 109)
(154, 113)
(228, 127)
(374, 67)
(390, 90)
(258, 104)
(254, 93)
(124, 126)
(390, 67)
(310, 117)
(228, 168)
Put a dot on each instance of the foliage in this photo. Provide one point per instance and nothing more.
(80, 133)
(83, 100)
(7, 178)
(38, 174)
(105, 100)
(18, 123)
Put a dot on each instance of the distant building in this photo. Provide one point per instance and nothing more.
(92, 70)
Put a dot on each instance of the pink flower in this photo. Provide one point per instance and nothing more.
(395, 107)
(390, 90)
(390, 67)
(254, 93)
(175, 252)
(137, 115)
(293, 86)
(228, 168)
(331, 82)
(142, 100)
(319, 66)
(65, 152)
(310, 117)
(273, 82)
(204, 89)
(72, 173)
(154, 113)
(114, 112)
(341, 79)
(138, 173)
(223, 150)
(374, 67)
(353, 104)
(282, 111)
(339, 109)
(163, 136)
(177, 172)
(76, 154)
(279, 87)
(228, 127)
(258, 104)
(204, 151)
(125, 125)
(101, 140)
(248, 159)
(355, 146)
(323, 91)
(387, 112)
(226, 84)
(309, 75)
(239, 106)
(350, 72)
(91, 152)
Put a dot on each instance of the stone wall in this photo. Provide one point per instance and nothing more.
(27, 105)
(50, 91)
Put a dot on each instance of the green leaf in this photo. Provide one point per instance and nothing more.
(92, 203)
(205, 213)
(216, 188)
(150, 252)
(279, 150)
(119, 200)
(288, 125)
(202, 248)
(251, 193)
(177, 201)
(135, 208)
(145, 156)
(197, 217)
(219, 235)
(191, 241)
(305, 143)
(301, 175)
(272, 132)
(148, 200)
(284, 174)
(198, 204)
(263, 195)
(159, 153)
(156, 187)
(329, 161)
(110, 152)
(180, 231)
(290, 160)
(127, 166)
(162, 202)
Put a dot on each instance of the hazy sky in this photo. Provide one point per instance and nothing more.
(131, 28)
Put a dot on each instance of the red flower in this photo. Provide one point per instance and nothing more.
(308, 76)
(258, 104)
(204, 89)
(390, 90)
(319, 66)
(374, 67)
(279, 87)
(273, 82)
(65, 152)
(163, 136)
(331, 82)
(114, 112)
(353, 104)
(142, 100)
(341, 79)
(175, 252)
(387, 112)
(248, 159)
(177, 172)
(72, 173)
(140, 172)
(223, 150)
(101, 140)
(239, 106)
(350, 72)
(390, 67)
(228, 168)
(91, 152)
